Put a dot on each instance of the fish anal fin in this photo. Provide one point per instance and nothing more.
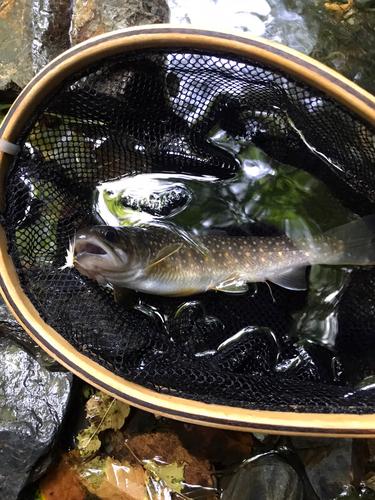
(233, 284)
(164, 253)
(294, 279)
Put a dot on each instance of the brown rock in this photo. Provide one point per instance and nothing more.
(34, 33)
(95, 17)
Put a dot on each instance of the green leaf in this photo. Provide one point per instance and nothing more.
(106, 411)
(103, 412)
(94, 472)
(88, 441)
(171, 475)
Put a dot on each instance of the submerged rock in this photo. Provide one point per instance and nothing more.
(268, 477)
(33, 402)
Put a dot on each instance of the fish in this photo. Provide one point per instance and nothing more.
(162, 261)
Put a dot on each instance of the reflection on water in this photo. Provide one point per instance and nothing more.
(341, 40)
(293, 25)
(246, 15)
(318, 321)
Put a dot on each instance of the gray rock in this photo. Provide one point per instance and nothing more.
(95, 17)
(33, 32)
(332, 467)
(268, 477)
(33, 401)
(50, 30)
(301, 443)
(15, 56)
(9, 327)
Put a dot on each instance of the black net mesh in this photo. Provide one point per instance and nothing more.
(148, 112)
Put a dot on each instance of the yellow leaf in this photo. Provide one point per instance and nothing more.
(171, 475)
(88, 441)
(103, 412)
(106, 411)
(62, 484)
(93, 473)
(118, 481)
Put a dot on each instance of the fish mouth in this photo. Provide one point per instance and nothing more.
(95, 256)
(86, 247)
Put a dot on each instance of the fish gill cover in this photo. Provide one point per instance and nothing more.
(238, 147)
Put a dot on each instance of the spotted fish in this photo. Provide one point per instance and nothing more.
(162, 261)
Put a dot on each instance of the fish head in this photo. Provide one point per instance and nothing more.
(107, 254)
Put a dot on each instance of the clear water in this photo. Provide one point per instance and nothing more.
(291, 200)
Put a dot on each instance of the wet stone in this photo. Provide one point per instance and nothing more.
(95, 17)
(266, 478)
(302, 443)
(9, 327)
(332, 467)
(33, 402)
(36, 31)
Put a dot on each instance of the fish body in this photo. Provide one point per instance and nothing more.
(162, 261)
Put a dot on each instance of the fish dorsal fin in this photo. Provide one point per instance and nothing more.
(164, 253)
(292, 280)
(233, 284)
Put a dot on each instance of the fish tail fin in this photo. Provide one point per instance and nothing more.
(357, 241)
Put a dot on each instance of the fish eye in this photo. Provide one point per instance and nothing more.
(110, 235)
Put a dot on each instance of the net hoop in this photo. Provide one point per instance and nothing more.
(256, 49)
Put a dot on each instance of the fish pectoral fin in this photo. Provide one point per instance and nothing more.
(292, 280)
(164, 253)
(232, 285)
